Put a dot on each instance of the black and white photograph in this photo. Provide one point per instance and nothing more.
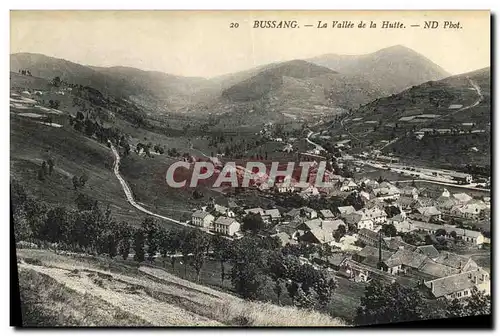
(250, 168)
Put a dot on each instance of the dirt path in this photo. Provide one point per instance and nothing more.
(157, 303)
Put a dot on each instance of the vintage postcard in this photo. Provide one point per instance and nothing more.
(250, 168)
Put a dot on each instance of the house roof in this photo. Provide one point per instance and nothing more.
(333, 224)
(436, 270)
(336, 259)
(453, 283)
(462, 197)
(327, 213)
(394, 243)
(344, 210)
(406, 258)
(313, 223)
(428, 250)
(225, 221)
(259, 211)
(426, 226)
(284, 238)
(429, 211)
(408, 202)
(452, 260)
(321, 235)
(220, 208)
(368, 233)
(201, 214)
(371, 251)
(274, 213)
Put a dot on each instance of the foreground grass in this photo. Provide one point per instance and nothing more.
(46, 302)
(244, 313)
(59, 290)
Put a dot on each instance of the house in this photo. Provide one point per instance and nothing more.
(258, 211)
(469, 236)
(302, 212)
(408, 191)
(309, 191)
(369, 256)
(459, 286)
(425, 227)
(365, 196)
(285, 238)
(370, 237)
(378, 215)
(430, 270)
(226, 226)
(326, 214)
(317, 236)
(386, 191)
(462, 198)
(348, 185)
(202, 219)
(404, 260)
(223, 211)
(370, 184)
(360, 219)
(346, 210)
(461, 178)
(446, 204)
(408, 203)
(428, 250)
(461, 263)
(396, 243)
(472, 211)
(426, 214)
(402, 226)
(272, 214)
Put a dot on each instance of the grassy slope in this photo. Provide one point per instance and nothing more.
(73, 154)
(112, 293)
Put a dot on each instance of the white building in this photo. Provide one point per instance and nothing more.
(226, 226)
(202, 219)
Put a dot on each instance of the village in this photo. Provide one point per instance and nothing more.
(375, 230)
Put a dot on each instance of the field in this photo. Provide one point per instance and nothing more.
(62, 290)
(73, 155)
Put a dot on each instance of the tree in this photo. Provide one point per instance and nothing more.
(57, 225)
(83, 179)
(222, 253)
(248, 265)
(186, 247)
(170, 243)
(440, 233)
(125, 235)
(199, 246)
(50, 162)
(45, 168)
(84, 202)
(151, 231)
(56, 81)
(389, 230)
(340, 232)
(76, 182)
(139, 238)
(390, 303)
(252, 222)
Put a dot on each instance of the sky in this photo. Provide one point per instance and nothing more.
(202, 44)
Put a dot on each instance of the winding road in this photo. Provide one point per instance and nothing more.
(128, 191)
